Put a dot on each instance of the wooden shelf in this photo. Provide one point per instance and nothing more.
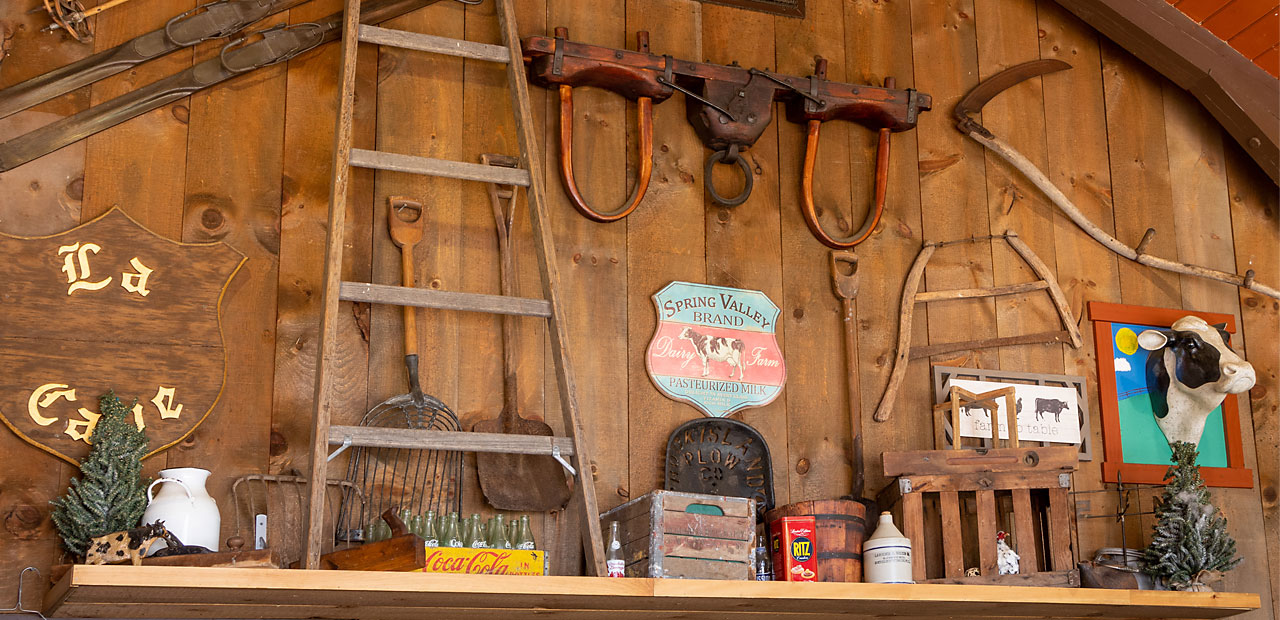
(184, 592)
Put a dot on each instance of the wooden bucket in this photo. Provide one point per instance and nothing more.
(842, 526)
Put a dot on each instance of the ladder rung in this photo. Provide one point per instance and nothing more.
(447, 300)
(432, 43)
(439, 167)
(459, 441)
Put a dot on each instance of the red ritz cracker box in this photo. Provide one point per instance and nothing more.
(792, 543)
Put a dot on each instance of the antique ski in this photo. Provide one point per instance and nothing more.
(211, 20)
(274, 45)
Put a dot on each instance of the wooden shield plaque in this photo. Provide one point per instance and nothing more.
(109, 305)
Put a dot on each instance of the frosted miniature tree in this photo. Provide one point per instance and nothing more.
(1190, 546)
(110, 495)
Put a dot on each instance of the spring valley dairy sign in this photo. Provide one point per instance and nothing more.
(715, 348)
(104, 306)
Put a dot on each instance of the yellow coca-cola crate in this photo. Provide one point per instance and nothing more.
(468, 561)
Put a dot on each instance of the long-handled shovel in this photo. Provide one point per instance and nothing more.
(514, 481)
(845, 286)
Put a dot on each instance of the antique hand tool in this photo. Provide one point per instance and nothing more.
(1002, 81)
(845, 286)
(211, 20)
(514, 481)
(410, 477)
(730, 106)
(270, 46)
(639, 84)
(70, 15)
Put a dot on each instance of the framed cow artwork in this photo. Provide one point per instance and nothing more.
(715, 348)
(1134, 346)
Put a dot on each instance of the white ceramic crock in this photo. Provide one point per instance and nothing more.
(185, 507)
(886, 556)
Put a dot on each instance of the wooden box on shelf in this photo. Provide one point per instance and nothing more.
(670, 534)
(1022, 491)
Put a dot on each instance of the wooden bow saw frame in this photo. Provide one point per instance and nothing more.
(729, 108)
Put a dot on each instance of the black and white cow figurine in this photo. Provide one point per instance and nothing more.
(1195, 370)
(716, 349)
(1050, 405)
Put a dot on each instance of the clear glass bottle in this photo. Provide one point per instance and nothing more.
(429, 532)
(415, 525)
(476, 533)
(371, 532)
(406, 517)
(763, 564)
(450, 537)
(498, 534)
(524, 535)
(613, 556)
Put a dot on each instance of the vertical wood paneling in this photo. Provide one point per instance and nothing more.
(880, 50)
(1202, 215)
(248, 163)
(810, 311)
(666, 240)
(1255, 220)
(1078, 164)
(1007, 36)
(235, 147)
(953, 192)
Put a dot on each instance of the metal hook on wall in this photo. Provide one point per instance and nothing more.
(17, 606)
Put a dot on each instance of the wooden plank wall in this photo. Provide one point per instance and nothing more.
(247, 163)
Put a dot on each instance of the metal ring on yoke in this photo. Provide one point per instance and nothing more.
(728, 157)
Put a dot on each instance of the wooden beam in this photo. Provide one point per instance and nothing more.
(1238, 93)
(1007, 341)
(415, 439)
(176, 592)
(991, 291)
(447, 300)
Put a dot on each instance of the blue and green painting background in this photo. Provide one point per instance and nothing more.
(1141, 438)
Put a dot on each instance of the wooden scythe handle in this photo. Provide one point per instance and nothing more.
(645, 114)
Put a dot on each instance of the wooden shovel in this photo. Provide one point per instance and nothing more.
(514, 481)
(846, 289)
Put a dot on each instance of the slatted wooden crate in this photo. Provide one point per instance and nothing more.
(670, 534)
(934, 488)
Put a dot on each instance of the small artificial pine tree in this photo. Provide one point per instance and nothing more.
(1190, 545)
(110, 496)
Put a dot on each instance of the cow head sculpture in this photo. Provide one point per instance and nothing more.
(1194, 370)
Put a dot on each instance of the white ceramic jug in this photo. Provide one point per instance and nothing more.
(886, 556)
(185, 507)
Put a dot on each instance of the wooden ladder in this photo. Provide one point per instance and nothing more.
(528, 175)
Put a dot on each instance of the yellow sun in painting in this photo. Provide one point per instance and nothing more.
(1127, 341)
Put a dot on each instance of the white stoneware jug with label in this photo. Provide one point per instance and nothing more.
(886, 556)
(185, 507)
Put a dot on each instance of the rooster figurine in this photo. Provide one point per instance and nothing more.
(1006, 557)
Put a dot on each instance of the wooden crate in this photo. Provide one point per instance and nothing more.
(1023, 491)
(670, 534)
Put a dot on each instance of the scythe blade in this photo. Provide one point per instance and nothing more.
(987, 90)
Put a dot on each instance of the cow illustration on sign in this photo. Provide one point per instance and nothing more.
(709, 340)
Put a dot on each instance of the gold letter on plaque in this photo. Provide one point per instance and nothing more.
(136, 282)
(82, 430)
(50, 393)
(164, 402)
(79, 280)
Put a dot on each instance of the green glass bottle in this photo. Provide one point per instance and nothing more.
(477, 533)
(406, 517)
(450, 537)
(429, 532)
(371, 532)
(524, 536)
(498, 534)
(415, 525)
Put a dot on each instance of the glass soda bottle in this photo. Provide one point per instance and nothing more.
(371, 532)
(498, 534)
(429, 532)
(450, 537)
(764, 565)
(524, 535)
(476, 533)
(613, 557)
